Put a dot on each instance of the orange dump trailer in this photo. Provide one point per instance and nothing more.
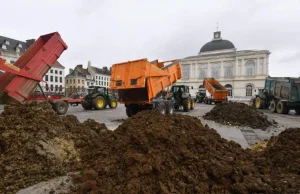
(218, 91)
(141, 84)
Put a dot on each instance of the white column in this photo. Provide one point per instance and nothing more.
(208, 70)
(222, 70)
(236, 69)
(190, 71)
(266, 63)
(242, 67)
(257, 66)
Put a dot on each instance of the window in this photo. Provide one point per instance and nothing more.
(250, 68)
(229, 88)
(203, 73)
(51, 70)
(101, 83)
(249, 90)
(67, 81)
(88, 83)
(3, 46)
(79, 81)
(60, 72)
(228, 72)
(56, 87)
(215, 73)
(20, 45)
(17, 50)
(82, 81)
(46, 78)
(56, 79)
(185, 72)
(96, 77)
(7, 42)
(51, 87)
(55, 71)
(60, 79)
(73, 81)
(51, 78)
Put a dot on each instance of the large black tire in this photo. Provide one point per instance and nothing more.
(61, 107)
(130, 111)
(282, 108)
(297, 110)
(259, 103)
(192, 104)
(86, 105)
(113, 104)
(273, 106)
(99, 103)
(186, 104)
(160, 107)
(170, 108)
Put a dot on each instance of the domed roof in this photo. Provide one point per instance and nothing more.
(217, 44)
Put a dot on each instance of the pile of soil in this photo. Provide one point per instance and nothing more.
(118, 120)
(154, 153)
(238, 114)
(281, 161)
(36, 144)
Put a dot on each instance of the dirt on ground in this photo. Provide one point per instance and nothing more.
(238, 114)
(147, 153)
(153, 153)
(280, 160)
(118, 120)
(36, 144)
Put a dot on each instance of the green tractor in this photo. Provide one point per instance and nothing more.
(200, 96)
(98, 98)
(182, 97)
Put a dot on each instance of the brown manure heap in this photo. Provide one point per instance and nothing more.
(36, 144)
(154, 153)
(238, 114)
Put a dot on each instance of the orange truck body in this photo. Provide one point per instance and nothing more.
(140, 81)
(218, 92)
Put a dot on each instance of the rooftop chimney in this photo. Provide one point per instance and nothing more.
(30, 41)
(70, 70)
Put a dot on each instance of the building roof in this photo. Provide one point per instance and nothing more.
(76, 73)
(58, 65)
(104, 71)
(13, 44)
(217, 45)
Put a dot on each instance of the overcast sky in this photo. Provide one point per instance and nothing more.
(111, 31)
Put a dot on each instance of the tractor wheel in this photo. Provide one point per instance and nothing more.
(113, 104)
(99, 103)
(297, 110)
(252, 102)
(61, 107)
(192, 104)
(282, 108)
(176, 107)
(186, 104)
(160, 107)
(170, 108)
(86, 105)
(273, 106)
(259, 103)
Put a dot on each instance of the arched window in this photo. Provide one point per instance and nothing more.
(249, 88)
(186, 72)
(229, 88)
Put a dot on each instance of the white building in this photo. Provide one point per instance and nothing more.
(55, 78)
(101, 76)
(241, 72)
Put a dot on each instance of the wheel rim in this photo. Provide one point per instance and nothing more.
(61, 107)
(189, 103)
(257, 102)
(251, 103)
(171, 110)
(100, 102)
(163, 111)
(113, 104)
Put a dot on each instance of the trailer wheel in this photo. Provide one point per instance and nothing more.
(160, 107)
(170, 108)
(282, 108)
(86, 105)
(61, 107)
(273, 106)
(186, 104)
(129, 111)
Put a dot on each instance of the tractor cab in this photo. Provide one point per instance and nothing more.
(182, 97)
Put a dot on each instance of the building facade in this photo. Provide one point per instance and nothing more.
(242, 72)
(101, 76)
(75, 81)
(55, 78)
